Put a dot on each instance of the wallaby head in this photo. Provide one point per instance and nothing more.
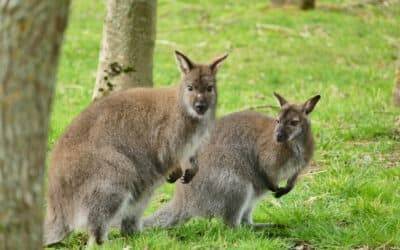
(198, 89)
(292, 121)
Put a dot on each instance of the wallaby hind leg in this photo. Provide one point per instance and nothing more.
(55, 229)
(233, 216)
(167, 216)
(130, 225)
(247, 215)
(132, 219)
(237, 203)
(248, 220)
(102, 207)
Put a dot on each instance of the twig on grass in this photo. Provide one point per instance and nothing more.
(364, 3)
(265, 106)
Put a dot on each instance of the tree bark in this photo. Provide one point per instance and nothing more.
(303, 4)
(396, 90)
(307, 4)
(126, 56)
(30, 37)
(278, 2)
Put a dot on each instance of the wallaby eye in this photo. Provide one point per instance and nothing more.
(190, 87)
(210, 88)
(294, 122)
(277, 121)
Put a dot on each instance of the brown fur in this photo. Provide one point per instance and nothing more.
(106, 165)
(242, 160)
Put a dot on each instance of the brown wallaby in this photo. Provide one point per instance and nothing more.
(247, 154)
(106, 165)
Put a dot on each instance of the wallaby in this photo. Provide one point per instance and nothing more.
(106, 165)
(248, 154)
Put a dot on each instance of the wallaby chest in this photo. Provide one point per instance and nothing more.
(191, 143)
(291, 163)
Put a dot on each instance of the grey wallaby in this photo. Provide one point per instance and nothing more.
(106, 165)
(248, 154)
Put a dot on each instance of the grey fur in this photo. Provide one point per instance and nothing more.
(240, 163)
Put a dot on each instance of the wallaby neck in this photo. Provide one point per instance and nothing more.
(304, 145)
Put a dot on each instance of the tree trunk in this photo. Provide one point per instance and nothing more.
(396, 91)
(307, 4)
(30, 37)
(278, 2)
(303, 4)
(126, 56)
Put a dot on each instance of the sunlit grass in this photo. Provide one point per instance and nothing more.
(352, 197)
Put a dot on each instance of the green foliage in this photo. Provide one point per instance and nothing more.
(352, 197)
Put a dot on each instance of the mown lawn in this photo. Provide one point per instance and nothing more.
(351, 196)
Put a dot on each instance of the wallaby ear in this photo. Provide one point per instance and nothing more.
(214, 65)
(184, 63)
(282, 101)
(309, 105)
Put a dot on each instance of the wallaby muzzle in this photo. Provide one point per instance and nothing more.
(281, 136)
(200, 107)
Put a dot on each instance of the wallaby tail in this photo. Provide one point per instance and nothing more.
(55, 228)
(167, 216)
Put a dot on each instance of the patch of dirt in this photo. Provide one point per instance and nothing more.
(313, 169)
(388, 159)
(302, 245)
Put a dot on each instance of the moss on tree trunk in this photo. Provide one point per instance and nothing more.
(126, 56)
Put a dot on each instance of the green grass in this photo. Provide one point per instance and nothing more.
(351, 199)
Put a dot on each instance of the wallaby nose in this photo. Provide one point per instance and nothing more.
(280, 137)
(200, 107)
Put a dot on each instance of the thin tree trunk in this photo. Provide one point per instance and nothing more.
(278, 2)
(30, 37)
(307, 4)
(303, 4)
(126, 56)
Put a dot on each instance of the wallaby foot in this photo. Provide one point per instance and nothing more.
(55, 229)
(238, 205)
(97, 234)
(130, 225)
(233, 216)
(167, 216)
(102, 209)
(232, 221)
(247, 217)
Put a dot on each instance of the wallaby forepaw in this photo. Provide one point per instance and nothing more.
(280, 192)
(187, 176)
(174, 176)
(171, 179)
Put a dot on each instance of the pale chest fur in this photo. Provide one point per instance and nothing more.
(294, 164)
(196, 139)
(193, 142)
